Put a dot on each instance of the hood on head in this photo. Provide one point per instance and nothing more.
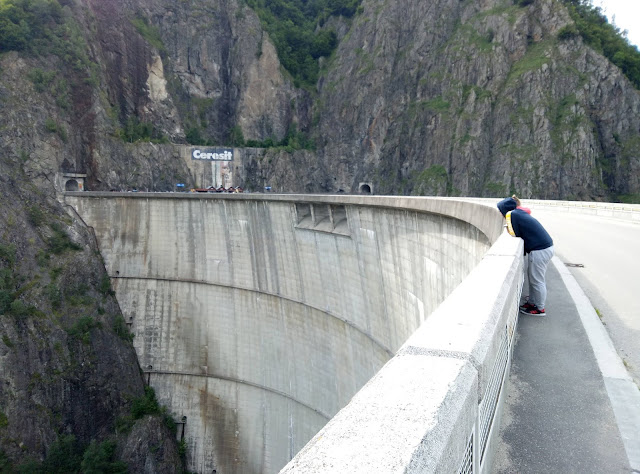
(506, 205)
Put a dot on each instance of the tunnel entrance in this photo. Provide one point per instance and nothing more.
(71, 185)
(70, 181)
(365, 188)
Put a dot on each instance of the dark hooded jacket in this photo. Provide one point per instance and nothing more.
(526, 227)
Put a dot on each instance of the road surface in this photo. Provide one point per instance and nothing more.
(609, 249)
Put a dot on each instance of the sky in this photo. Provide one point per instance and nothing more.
(625, 14)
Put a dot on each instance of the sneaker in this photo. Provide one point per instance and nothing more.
(533, 311)
(526, 306)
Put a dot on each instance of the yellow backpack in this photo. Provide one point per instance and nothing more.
(509, 226)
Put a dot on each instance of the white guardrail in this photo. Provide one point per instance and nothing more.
(629, 212)
(600, 209)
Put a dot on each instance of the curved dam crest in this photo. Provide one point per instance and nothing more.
(260, 317)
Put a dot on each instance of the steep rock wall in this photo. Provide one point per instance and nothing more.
(485, 96)
(68, 371)
(431, 97)
(218, 65)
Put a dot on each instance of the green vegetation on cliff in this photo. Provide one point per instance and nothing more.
(135, 130)
(67, 455)
(27, 25)
(602, 36)
(293, 140)
(40, 27)
(294, 29)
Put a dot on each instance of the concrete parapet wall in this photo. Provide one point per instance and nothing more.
(438, 398)
(259, 317)
(629, 212)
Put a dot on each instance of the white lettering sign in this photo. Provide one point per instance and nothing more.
(217, 154)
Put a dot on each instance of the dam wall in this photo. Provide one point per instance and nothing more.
(258, 318)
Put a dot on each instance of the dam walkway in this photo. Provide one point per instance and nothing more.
(562, 410)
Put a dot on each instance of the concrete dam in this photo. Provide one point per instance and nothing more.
(258, 320)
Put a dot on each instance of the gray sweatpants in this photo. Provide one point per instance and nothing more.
(537, 268)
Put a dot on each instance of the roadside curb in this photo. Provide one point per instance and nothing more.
(622, 391)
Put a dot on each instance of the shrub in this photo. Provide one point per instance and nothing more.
(237, 137)
(136, 130)
(51, 126)
(568, 32)
(145, 405)
(98, 459)
(121, 329)
(293, 140)
(36, 215)
(82, 328)
(124, 424)
(629, 198)
(64, 456)
(293, 27)
(148, 405)
(8, 253)
(6, 297)
(9, 343)
(149, 33)
(19, 309)
(296, 140)
(60, 242)
(40, 27)
(41, 79)
(194, 136)
(105, 286)
(5, 463)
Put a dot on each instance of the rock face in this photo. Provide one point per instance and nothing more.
(437, 97)
(68, 371)
(480, 98)
(211, 61)
(425, 97)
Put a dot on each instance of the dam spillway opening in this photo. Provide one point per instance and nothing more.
(262, 318)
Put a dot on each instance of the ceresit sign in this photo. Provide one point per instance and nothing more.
(212, 154)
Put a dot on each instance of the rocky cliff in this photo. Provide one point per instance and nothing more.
(477, 98)
(437, 97)
(71, 391)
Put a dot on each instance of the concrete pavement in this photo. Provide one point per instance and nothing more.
(608, 248)
(570, 407)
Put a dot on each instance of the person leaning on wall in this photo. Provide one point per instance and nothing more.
(538, 250)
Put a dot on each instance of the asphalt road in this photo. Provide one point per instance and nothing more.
(557, 416)
(609, 249)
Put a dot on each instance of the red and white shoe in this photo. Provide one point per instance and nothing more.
(526, 306)
(534, 311)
